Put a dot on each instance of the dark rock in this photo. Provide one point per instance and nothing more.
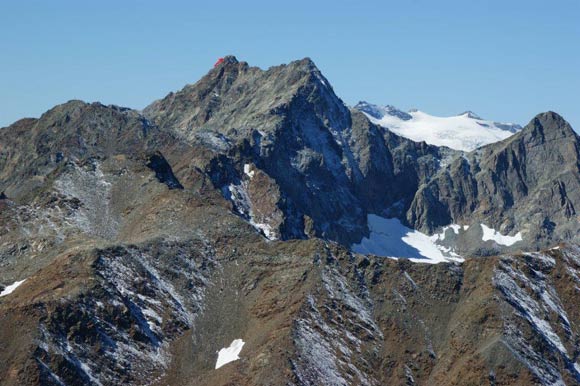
(163, 171)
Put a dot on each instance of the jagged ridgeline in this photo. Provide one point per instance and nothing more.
(218, 225)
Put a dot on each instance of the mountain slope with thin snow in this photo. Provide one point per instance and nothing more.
(466, 131)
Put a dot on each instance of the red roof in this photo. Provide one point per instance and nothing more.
(219, 61)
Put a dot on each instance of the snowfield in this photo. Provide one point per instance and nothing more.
(229, 354)
(10, 288)
(464, 132)
(492, 234)
(389, 238)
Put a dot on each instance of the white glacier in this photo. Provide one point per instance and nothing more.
(464, 132)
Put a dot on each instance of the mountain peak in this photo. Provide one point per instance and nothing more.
(230, 59)
(549, 124)
(379, 112)
(233, 92)
(470, 114)
(227, 66)
(305, 66)
(306, 61)
(550, 118)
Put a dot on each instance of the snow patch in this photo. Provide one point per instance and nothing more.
(229, 354)
(410, 279)
(455, 228)
(441, 236)
(389, 238)
(492, 234)
(248, 170)
(10, 288)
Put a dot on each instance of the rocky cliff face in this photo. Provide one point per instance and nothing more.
(528, 182)
(134, 246)
(323, 166)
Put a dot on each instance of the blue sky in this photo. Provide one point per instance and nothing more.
(505, 60)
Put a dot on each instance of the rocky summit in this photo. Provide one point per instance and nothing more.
(252, 229)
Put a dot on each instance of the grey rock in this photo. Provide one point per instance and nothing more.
(528, 182)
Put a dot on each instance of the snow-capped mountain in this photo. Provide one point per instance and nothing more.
(466, 131)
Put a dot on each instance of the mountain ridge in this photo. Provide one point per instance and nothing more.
(144, 243)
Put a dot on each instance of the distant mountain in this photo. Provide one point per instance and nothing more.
(466, 131)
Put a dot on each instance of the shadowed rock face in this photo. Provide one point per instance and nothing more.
(148, 242)
(163, 172)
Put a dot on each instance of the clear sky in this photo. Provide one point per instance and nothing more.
(505, 60)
